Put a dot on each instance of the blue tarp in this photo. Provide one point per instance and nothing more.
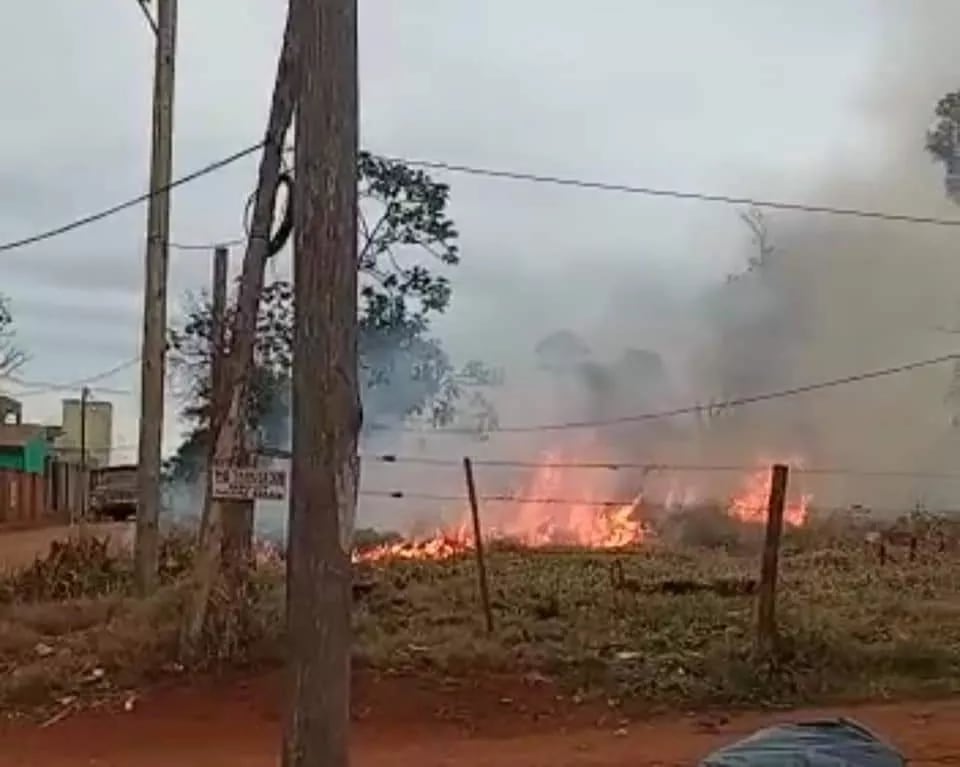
(827, 743)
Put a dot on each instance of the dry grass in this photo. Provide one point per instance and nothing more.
(848, 626)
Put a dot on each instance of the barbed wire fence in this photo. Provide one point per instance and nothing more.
(472, 496)
(644, 470)
(766, 507)
(768, 510)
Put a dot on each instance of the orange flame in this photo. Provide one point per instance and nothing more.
(557, 508)
(440, 546)
(750, 503)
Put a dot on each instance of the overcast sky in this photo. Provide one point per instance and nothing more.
(739, 96)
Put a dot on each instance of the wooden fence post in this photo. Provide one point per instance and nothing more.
(478, 544)
(766, 614)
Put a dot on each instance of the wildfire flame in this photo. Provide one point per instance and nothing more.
(750, 504)
(556, 508)
(440, 546)
(560, 510)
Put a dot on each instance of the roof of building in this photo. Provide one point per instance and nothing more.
(18, 435)
(92, 404)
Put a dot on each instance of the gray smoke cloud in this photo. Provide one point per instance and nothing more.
(834, 297)
(840, 295)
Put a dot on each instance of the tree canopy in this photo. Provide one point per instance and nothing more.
(942, 137)
(406, 239)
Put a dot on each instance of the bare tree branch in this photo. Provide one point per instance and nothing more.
(12, 357)
(11, 360)
(371, 239)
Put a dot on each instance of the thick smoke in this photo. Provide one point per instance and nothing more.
(844, 295)
(832, 296)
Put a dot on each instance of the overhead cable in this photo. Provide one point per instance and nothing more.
(699, 409)
(131, 203)
(511, 175)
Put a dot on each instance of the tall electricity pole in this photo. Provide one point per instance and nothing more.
(155, 302)
(84, 464)
(326, 398)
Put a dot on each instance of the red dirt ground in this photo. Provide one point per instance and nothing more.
(407, 722)
(20, 547)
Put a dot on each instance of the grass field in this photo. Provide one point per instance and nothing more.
(849, 626)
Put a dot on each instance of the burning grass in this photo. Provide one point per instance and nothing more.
(556, 508)
(671, 623)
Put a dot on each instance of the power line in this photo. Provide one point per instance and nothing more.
(697, 409)
(676, 194)
(658, 467)
(45, 387)
(606, 186)
(651, 416)
(511, 175)
(131, 203)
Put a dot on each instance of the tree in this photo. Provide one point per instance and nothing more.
(750, 315)
(943, 145)
(12, 357)
(943, 138)
(404, 232)
(760, 234)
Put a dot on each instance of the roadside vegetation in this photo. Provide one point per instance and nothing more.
(670, 623)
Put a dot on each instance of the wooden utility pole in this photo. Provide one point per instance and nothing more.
(84, 472)
(218, 307)
(767, 597)
(326, 397)
(153, 351)
(218, 337)
(236, 515)
(231, 416)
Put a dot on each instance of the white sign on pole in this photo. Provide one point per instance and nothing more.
(232, 483)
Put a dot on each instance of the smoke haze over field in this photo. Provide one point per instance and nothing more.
(862, 294)
(837, 296)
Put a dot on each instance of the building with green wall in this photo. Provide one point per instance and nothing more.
(24, 447)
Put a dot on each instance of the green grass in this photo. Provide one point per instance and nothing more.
(848, 628)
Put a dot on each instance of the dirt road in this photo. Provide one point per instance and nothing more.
(406, 722)
(19, 548)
